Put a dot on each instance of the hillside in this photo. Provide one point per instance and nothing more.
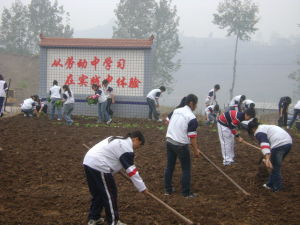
(23, 72)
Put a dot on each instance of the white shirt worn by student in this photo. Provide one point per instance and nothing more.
(297, 106)
(111, 157)
(69, 99)
(108, 91)
(271, 136)
(182, 126)
(211, 97)
(3, 88)
(55, 91)
(235, 101)
(28, 104)
(154, 94)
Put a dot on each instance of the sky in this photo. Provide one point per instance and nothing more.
(278, 18)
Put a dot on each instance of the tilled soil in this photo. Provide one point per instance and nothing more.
(42, 180)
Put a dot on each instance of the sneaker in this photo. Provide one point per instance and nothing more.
(266, 186)
(120, 223)
(58, 119)
(191, 195)
(228, 163)
(96, 222)
(159, 120)
(170, 192)
(109, 121)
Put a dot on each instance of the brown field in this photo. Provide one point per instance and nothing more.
(42, 179)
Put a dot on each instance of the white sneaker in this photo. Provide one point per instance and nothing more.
(58, 119)
(159, 120)
(96, 222)
(109, 121)
(120, 223)
(266, 186)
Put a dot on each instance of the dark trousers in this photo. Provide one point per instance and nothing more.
(109, 102)
(44, 110)
(152, 109)
(296, 113)
(1, 103)
(183, 153)
(277, 156)
(103, 189)
(284, 117)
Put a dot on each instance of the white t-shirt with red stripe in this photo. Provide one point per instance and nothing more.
(111, 157)
(183, 125)
(271, 136)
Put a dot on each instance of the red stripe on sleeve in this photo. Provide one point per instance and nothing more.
(265, 146)
(192, 135)
(133, 172)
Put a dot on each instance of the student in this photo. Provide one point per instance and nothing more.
(3, 89)
(275, 144)
(68, 99)
(109, 95)
(296, 113)
(103, 115)
(248, 103)
(152, 100)
(101, 162)
(211, 114)
(211, 98)
(236, 102)
(227, 130)
(182, 131)
(283, 107)
(55, 96)
(28, 107)
(41, 106)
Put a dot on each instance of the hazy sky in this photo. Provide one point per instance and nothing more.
(277, 17)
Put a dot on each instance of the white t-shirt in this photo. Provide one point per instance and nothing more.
(297, 106)
(70, 99)
(154, 94)
(55, 91)
(28, 104)
(2, 89)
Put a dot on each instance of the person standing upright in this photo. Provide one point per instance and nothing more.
(211, 99)
(182, 131)
(109, 95)
(296, 113)
(103, 115)
(152, 100)
(3, 89)
(55, 98)
(283, 107)
(69, 102)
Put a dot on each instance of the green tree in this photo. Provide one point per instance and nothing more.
(167, 43)
(134, 19)
(142, 18)
(239, 17)
(14, 28)
(48, 20)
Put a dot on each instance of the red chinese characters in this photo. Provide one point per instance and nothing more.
(109, 78)
(82, 63)
(69, 80)
(95, 80)
(121, 82)
(57, 63)
(107, 63)
(82, 80)
(134, 82)
(69, 62)
(95, 62)
(121, 63)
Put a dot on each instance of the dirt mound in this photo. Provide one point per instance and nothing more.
(42, 179)
(23, 72)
